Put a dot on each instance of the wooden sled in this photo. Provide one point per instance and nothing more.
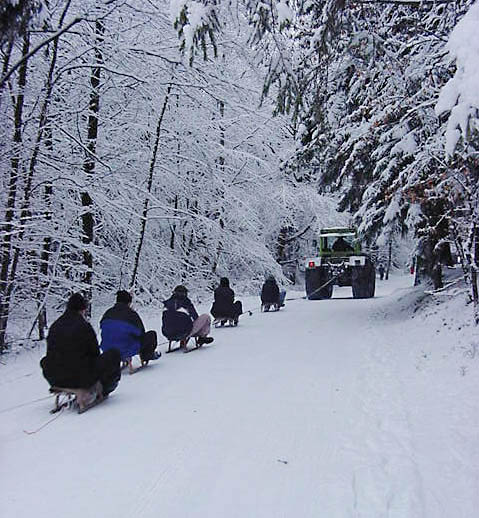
(222, 321)
(71, 397)
(129, 363)
(267, 306)
(182, 345)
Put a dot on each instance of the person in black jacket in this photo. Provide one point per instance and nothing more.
(180, 320)
(73, 358)
(270, 294)
(341, 245)
(224, 306)
(123, 329)
(381, 271)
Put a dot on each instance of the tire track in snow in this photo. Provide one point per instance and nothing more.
(390, 479)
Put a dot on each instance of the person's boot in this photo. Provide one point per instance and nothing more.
(98, 389)
(204, 340)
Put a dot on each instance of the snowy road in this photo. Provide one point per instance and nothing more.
(325, 409)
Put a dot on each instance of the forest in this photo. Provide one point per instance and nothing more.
(146, 143)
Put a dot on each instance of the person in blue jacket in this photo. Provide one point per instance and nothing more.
(122, 329)
(180, 320)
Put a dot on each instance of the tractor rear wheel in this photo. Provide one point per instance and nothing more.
(315, 278)
(364, 281)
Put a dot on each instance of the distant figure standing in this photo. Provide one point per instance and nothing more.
(73, 358)
(123, 329)
(224, 305)
(381, 271)
(181, 321)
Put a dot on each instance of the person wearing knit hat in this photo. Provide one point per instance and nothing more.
(224, 306)
(122, 328)
(180, 320)
(271, 295)
(73, 356)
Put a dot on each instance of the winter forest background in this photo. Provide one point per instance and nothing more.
(146, 143)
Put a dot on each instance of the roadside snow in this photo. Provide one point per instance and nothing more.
(339, 408)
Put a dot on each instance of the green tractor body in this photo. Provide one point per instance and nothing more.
(339, 261)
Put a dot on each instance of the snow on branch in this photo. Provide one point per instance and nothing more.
(194, 22)
(460, 95)
(285, 13)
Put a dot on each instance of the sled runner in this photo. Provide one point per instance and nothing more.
(195, 348)
(82, 399)
(273, 306)
(222, 321)
(129, 363)
(182, 345)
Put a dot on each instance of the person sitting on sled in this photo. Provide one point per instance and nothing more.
(73, 358)
(224, 305)
(271, 295)
(122, 328)
(180, 320)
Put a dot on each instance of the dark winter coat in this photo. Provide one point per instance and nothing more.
(341, 245)
(270, 292)
(72, 352)
(223, 305)
(177, 324)
(122, 329)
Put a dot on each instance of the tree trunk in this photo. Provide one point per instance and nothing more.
(173, 227)
(150, 185)
(473, 267)
(430, 263)
(88, 221)
(221, 159)
(221, 162)
(460, 250)
(15, 171)
(42, 322)
(44, 264)
(280, 248)
(6, 62)
(390, 255)
(42, 127)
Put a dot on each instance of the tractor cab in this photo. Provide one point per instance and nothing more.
(338, 242)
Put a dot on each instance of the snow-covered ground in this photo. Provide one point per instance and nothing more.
(340, 408)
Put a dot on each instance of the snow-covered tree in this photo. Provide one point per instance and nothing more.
(459, 103)
(125, 164)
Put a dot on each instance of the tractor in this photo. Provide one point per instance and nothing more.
(341, 262)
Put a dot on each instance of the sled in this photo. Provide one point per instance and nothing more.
(183, 345)
(195, 348)
(73, 397)
(274, 306)
(129, 363)
(222, 321)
